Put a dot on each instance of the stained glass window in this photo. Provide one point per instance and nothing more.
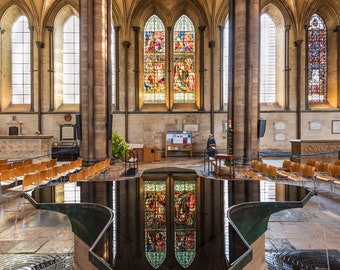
(154, 61)
(185, 222)
(268, 60)
(155, 222)
(71, 61)
(21, 67)
(184, 61)
(317, 60)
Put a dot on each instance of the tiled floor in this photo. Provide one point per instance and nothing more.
(30, 232)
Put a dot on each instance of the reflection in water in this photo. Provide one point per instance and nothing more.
(155, 222)
(172, 220)
(185, 221)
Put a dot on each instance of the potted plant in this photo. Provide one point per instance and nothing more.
(119, 147)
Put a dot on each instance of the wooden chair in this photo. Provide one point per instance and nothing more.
(44, 176)
(333, 174)
(94, 170)
(29, 182)
(297, 168)
(323, 167)
(16, 164)
(52, 163)
(74, 177)
(55, 173)
(263, 167)
(76, 165)
(7, 178)
(271, 172)
(21, 172)
(64, 171)
(312, 162)
(34, 167)
(79, 163)
(254, 168)
(285, 171)
(4, 167)
(83, 174)
(306, 173)
(43, 165)
(27, 162)
(337, 162)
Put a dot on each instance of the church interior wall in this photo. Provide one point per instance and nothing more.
(280, 122)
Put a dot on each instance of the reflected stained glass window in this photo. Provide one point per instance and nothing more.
(185, 222)
(155, 222)
(184, 61)
(154, 61)
(317, 60)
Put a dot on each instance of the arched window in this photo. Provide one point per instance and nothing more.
(225, 63)
(184, 61)
(21, 64)
(180, 86)
(71, 61)
(154, 61)
(317, 60)
(268, 60)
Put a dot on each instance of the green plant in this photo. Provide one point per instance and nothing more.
(119, 146)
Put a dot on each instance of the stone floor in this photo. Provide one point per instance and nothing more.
(294, 237)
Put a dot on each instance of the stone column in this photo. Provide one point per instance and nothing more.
(2, 31)
(136, 31)
(170, 100)
(40, 46)
(126, 45)
(31, 28)
(117, 28)
(212, 44)
(93, 82)
(287, 66)
(298, 44)
(51, 64)
(201, 30)
(338, 62)
(245, 115)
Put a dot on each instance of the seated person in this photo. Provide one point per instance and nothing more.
(211, 146)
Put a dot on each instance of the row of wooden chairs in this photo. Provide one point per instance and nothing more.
(15, 175)
(296, 171)
(42, 174)
(290, 170)
(91, 172)
(27, 162)
(260, 171)
(15, 164)
(325, 171)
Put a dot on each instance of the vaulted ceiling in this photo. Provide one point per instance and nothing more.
(297, 10)
(40, 7)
